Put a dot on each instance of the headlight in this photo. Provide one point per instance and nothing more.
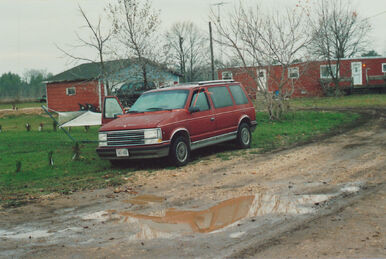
(102, 137)
(153, 136)
(152, 133)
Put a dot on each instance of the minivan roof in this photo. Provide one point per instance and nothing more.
(193, 85)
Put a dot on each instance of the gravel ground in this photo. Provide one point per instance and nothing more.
(323, 199)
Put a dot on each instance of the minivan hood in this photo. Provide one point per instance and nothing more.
(142, 120)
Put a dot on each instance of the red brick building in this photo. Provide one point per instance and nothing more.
(69, 96)
(307, 78)
(81, 86)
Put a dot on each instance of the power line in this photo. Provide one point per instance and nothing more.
(375, 15)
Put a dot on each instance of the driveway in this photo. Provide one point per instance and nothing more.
(311, 200)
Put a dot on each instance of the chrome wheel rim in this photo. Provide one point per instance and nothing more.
(245, 137)
(181, 151)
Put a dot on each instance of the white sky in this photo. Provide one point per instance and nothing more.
(29, 29)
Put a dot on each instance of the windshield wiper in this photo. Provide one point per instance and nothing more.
(135, 111)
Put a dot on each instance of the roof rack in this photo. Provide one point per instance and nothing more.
(215, 82)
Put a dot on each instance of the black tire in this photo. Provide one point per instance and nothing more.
(179, 151)
(244, 137)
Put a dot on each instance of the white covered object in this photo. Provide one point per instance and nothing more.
(87, 118)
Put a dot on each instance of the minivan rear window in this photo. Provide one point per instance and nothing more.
(220, 96)
(238, 94)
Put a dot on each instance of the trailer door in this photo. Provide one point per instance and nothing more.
(356, 73)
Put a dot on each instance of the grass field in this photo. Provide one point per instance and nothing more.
(352, 101)
(37, 177)
(295, 127)
(20, 105)
(31, 149)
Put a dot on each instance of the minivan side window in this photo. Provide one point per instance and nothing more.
(201, 101)
(220, 96)
(238, 94)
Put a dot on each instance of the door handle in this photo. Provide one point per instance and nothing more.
(212, 119)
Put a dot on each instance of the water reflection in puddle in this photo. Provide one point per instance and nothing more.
(25, 233)
(144, 199)
(172, 222)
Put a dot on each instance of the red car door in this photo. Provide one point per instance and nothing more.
(111, 108)
(201, 123)
(226, 116)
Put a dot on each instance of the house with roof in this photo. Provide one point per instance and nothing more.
(307, 79)
(83, 86)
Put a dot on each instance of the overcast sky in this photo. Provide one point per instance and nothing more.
(29, 29)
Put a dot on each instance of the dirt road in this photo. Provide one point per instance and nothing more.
(323, 199)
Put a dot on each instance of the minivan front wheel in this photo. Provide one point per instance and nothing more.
(244, 136)
(180, 152)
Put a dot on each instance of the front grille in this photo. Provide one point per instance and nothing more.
(125, 138)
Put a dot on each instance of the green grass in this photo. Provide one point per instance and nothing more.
(37, 177)
(352, 101)
(20, 105)
(295, 127)
(16, 123)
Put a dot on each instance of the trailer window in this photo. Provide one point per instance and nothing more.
(326, 71)
(227, 75)
(293, 72)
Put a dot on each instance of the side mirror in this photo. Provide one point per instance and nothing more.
(194, 109)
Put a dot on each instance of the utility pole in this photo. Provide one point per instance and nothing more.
(219, 5)
(182, 68)
(211, 49)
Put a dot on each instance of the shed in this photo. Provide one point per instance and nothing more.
(81, 87)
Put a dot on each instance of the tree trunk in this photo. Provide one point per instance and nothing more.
(144, 74)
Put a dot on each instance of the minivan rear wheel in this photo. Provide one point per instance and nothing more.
(179, 152)
(244, 137)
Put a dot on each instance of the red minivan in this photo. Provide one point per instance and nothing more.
(170, 122)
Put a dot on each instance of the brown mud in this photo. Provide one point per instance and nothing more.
(321, 199)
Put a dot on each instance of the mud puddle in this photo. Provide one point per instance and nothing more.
(145, 199)
(31, 232)
(24, 234)
(173, 222)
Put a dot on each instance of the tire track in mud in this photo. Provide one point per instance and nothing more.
(278, 179)
(335, 206)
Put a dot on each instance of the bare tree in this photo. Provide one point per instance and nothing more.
(337, 32)
(186, 43)
(136, 24)
(263, 42)
(175, 41)
(98, 41)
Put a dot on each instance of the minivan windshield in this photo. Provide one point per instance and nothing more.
(159, 101)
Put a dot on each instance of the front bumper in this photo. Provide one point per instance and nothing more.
(134, 152)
